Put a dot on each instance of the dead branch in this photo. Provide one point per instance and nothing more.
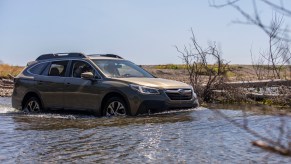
(255, 17)
(202, 75)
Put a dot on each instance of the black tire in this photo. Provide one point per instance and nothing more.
(32, 105)
(115, 106)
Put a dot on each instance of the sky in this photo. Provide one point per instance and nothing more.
(142, 31)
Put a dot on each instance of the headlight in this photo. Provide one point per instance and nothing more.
(144, 89)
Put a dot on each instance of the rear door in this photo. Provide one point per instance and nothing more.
(51, 84)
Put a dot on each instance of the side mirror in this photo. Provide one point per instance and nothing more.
(87, 76)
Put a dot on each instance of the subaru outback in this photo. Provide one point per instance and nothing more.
(104, 84)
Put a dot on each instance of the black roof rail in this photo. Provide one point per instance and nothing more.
(61, 55)
(107, 55)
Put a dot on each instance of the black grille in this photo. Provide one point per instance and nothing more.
(179, 94)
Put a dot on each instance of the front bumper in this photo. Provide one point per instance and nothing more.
(153, 106)
(140, 104)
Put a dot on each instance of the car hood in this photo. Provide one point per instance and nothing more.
(155, 82)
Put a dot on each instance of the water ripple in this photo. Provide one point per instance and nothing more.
(184, 136)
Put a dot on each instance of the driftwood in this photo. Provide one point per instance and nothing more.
(258, 96)
(7, 81)
(254, 84)
(6, 87)
(269, 147)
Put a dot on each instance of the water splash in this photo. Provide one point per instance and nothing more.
(7, 109)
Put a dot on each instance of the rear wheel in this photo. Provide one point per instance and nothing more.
(115, 106)
(32, 105)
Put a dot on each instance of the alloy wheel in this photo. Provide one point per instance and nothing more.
(32, 106)
(115, 108)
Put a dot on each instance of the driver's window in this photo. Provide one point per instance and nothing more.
(79, 67)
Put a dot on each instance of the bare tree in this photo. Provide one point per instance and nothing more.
(255, 18)
(277, 55)
(270, 63)
(203, 76)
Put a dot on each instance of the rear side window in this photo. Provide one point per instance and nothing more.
(38, 69)
(58, 68)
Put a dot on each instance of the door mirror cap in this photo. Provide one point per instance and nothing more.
(87, 76)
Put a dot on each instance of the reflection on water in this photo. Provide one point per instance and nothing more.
(196, 135)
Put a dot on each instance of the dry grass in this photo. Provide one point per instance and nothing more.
(169, 71)
(236, 72)
(6, 70)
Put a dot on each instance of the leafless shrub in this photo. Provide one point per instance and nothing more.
(258, 66)
(203, 76)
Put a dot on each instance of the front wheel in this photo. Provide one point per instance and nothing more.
(32, 105)
(115, 106)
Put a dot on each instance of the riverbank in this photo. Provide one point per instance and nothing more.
(6, 87)
(240, 85)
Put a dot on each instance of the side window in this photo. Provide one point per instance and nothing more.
(58, 68)
(127, 71)
(79, 67)
(38, 69)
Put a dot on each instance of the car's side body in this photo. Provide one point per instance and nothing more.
(58, 85)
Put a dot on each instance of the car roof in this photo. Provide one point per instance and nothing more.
(105, 56)
(77, 55)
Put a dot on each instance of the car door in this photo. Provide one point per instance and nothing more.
(80, 93)
(51, 84)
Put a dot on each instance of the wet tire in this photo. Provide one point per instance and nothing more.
(32, 105)
(115, 106)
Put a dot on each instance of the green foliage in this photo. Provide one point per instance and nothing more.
(268, 102)
(230, 74)
(170, 66)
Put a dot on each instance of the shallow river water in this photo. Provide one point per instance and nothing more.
(187, 136)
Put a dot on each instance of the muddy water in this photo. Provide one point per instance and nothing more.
(196, 135)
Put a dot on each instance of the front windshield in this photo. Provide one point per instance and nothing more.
(120, 68)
